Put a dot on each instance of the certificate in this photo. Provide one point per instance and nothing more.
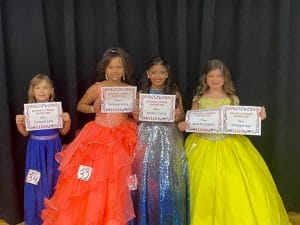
(226, 119)
(242, 120)
(117, 99)
(43, 116)
(157, 107)
(204, 121)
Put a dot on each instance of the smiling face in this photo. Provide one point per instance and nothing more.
(157, 74)
(115, 69)
(42, 91)
(215, 79)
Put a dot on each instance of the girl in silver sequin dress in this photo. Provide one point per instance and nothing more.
(160, 162)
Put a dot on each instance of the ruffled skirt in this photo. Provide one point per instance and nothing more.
(92, 188)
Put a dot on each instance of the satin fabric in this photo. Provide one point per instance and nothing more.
(230, 184)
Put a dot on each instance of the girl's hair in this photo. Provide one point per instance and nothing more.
(37, 79)
(169, 86)
(228, 86)
(107, 57)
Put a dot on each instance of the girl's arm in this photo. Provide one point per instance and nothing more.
(136, 110)
(179, 111)
(262, 113)
(20, 121)
(183, 125)
(86, 103)
(66, 123)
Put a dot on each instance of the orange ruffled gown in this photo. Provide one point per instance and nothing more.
(106, 146)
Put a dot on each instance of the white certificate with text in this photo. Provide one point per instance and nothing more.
(117, 99)
(241, 120)
(43, 116)
(204, 121)
(226, 119)
(157, 107)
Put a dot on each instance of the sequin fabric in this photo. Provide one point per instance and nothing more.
(206, 103)
(44, 138)
(161, 168)
(110, 119)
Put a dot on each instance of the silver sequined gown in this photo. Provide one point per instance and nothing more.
(161, 168)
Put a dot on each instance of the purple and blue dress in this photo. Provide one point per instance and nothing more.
(160, 164)
(41, 172)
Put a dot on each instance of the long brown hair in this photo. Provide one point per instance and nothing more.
(169, 86)
(228, 86)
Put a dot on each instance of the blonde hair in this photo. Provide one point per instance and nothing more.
(228, 86)
(37, 79)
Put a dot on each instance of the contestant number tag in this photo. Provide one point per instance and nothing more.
(84, 173)
(132, 182)
(33, 177)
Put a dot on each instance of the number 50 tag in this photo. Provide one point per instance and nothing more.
(84, 173)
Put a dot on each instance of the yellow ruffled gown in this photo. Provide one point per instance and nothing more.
(230, 184)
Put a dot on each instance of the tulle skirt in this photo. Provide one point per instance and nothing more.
(92, 188)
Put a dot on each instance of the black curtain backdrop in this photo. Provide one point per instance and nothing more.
(259, 40)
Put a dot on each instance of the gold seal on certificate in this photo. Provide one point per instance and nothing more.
(227, 119)
(117, 99)
(157, 107)
(43, 116)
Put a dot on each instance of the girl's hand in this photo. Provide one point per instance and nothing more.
(65, 117)
(262, 113)
(20, 119)
(135, 113)
(97, 105)
(182, 126)
(66, 123)
(177, 114)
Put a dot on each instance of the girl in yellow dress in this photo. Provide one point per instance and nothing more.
(230, 184)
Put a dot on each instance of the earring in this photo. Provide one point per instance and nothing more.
(106, 77)
(148, 76)
(123, 77)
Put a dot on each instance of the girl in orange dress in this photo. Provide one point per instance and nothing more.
(92, 188)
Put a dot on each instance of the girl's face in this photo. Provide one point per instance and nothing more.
(157, 74)
(42, 91)
(115, 69)
(215, 79)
